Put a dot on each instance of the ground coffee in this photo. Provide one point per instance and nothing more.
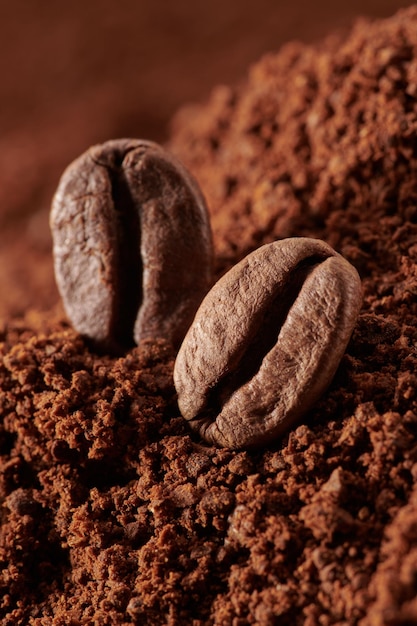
(114, 512)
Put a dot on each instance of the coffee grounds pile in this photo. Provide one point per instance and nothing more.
(113, 513)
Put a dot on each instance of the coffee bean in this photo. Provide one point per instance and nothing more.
(266, 342)
(132, 244)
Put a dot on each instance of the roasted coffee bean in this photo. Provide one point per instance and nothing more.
(132, 244)
(266, 342)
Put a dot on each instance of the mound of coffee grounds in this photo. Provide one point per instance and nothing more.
(113, 512)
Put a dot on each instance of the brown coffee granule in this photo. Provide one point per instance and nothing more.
(114, 513)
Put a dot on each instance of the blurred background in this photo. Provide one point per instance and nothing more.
(77, 73)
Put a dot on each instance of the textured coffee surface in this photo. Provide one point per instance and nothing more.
(132, 244)
(113, 513)
(266, 342)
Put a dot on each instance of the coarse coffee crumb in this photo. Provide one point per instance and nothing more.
(114, 513)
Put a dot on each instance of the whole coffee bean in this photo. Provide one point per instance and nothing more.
(266, 342)
(132, 244)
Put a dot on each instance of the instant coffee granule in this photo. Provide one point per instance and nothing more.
(114, 513)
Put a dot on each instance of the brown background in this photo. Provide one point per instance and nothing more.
(81, 72)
